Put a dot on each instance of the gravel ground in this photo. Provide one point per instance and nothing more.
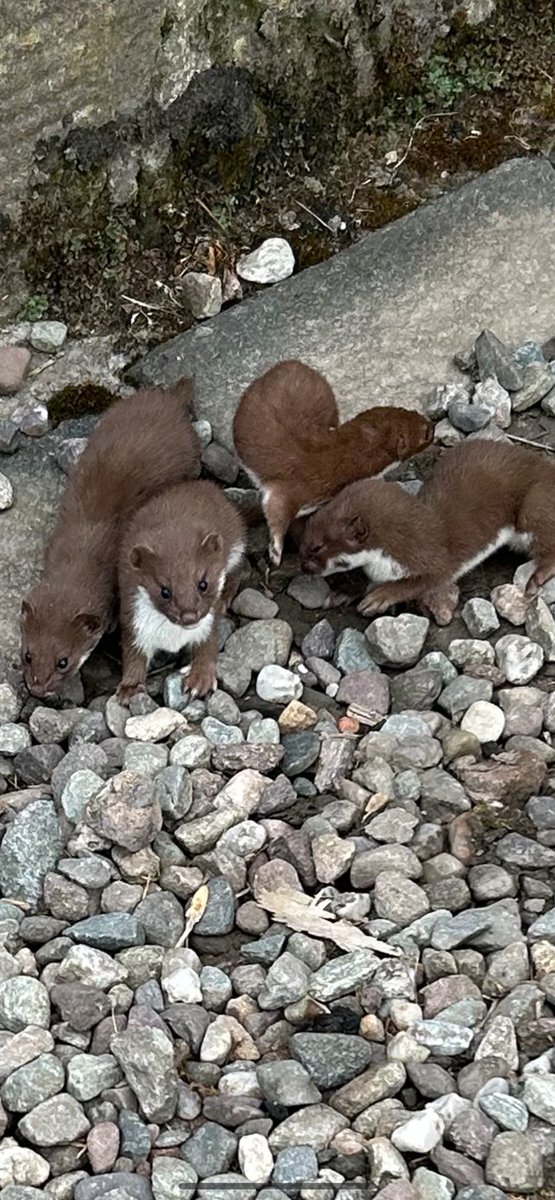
(297, 939)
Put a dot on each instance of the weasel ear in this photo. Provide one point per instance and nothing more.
(356, 529)
(213, 543)
(27, 610)
(142, 558)
(88, 622)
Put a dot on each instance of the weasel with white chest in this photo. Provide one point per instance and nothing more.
(481, 495)
(179, 568)
(288, 439)
(142, 443)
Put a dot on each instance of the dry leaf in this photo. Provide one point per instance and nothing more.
(375, 804)
(195, 911)
(301, 912)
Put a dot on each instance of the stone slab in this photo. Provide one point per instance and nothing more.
(37, 484)
(383, 319)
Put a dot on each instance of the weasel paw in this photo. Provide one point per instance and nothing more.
(375, 602)
(198, 681)
(126, 691)
(274, 553)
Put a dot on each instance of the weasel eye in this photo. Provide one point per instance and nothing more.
(166, 593)
(28, 658)
(61, 664)
(203, 584)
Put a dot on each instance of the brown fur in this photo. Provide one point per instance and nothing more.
(476, 490)
(187, 534)
(141, 444)
(288, 437)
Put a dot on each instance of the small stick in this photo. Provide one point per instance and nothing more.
(529, 442)
(316, 217)
(211, 215)
(426, 117)
(39, 370)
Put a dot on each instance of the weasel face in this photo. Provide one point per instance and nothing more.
(55, 641)
(185, 587)
(332, 545)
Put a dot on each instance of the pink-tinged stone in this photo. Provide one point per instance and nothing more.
(14, 365)
(103, 1146)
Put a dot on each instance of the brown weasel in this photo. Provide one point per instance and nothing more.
(481, 495)
(288, 438)
(179, 568)
(141, 444)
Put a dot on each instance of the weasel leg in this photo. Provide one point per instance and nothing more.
(545, 570)
(201, 676)
(134, 671)
(538, 518)
(279, 510)
(379, 599)
(441, 603)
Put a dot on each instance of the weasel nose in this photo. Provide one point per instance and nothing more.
(188, 618)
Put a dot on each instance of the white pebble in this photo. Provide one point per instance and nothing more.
(6, 493)
(154, 726)
(420, 1133)
(278, 684)
(182, 987)
(255, 1158)
(520, 659)
(485, 720)
(272, 261)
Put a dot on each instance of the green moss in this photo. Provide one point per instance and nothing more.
(35, 308)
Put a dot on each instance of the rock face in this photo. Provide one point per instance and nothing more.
(141, 57)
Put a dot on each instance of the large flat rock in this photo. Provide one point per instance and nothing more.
(37, 483)
(383, 319)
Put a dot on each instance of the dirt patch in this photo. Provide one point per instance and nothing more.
(247, 160)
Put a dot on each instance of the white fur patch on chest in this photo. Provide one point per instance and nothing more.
(378, 566)
(152, 631)
(507, 536)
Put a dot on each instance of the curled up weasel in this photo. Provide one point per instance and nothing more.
(180, 565)
(141, 444)
(481, 495)
(288, 439)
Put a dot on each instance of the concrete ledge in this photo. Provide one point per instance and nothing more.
(383, 319)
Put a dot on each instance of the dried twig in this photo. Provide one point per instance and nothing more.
(146, 304)
(316, 217)
(212, 215)
(48, 363)
(399, 163)
(529, 442)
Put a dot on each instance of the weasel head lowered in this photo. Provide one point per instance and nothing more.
(333, 541)
(57, 636)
